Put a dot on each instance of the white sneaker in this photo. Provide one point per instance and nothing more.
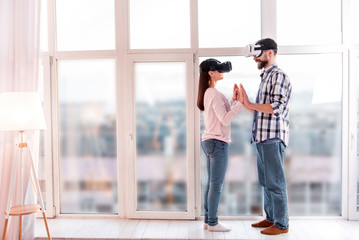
(220, 227)
(205, 226)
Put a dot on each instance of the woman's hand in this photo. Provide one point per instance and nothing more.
(235, 92)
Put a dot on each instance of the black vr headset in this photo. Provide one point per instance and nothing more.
(220, 67)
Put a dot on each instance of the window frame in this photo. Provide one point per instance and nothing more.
(131, 133)
(353, 213)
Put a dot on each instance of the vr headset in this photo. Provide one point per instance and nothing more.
(220, 67)
(256, 50)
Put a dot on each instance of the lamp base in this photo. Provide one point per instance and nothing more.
(20, 210)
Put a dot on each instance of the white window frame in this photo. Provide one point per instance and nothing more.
(58, 56)
(48, 166)
(131, 133)
(353, 214)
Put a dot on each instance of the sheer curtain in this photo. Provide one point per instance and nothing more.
(19, 59)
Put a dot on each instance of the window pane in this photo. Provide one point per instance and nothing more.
(85, 25)
(159, 24)
(43, 28)
(87, 116)
(313, 159)
(41, 170)
(354, 19)
(228, 23)
(161, 136)
(309, 22)
(241, 193)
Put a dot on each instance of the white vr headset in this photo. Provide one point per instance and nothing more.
(256, 50)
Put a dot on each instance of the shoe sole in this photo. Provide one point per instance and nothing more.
(261, 226)
(284, 231)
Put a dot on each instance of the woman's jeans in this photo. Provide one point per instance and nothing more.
(271, 177)
(216, 153)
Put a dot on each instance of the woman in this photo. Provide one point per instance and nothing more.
(218, 114)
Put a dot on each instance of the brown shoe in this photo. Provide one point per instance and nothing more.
(273, 230)
(262, 224)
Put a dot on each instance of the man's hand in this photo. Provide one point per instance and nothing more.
(243, 98)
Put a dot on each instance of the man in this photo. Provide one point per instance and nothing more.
(270, 134)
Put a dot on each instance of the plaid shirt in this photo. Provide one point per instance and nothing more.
(274, 89)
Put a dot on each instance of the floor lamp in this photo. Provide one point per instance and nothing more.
(21, 111)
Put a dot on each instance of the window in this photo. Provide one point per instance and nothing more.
(353, 20)
(85, 25)
(125, 126)
(88, 174)
(161, 136)
(229, 23)
(43, 30)
(309, 22)
(159, 24)
(313, 158)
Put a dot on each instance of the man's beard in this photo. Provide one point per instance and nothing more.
(262, 64)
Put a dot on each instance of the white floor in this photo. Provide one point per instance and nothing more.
(300, 229)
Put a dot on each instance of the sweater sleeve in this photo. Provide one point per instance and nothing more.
(219, 107)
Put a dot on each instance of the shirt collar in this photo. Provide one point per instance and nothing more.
(268, 69)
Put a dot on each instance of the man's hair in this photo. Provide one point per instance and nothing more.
(268, 43)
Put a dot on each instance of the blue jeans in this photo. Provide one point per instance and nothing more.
(271, 176)
(216, 153)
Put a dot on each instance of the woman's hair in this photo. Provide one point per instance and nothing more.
(204, 79)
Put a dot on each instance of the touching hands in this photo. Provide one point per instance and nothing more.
(240, 95)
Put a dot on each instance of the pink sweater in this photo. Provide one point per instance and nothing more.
(218, 115)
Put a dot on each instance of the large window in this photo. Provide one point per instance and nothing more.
(121, 77)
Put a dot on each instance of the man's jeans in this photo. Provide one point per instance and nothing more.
(271, 177)
(216, 153)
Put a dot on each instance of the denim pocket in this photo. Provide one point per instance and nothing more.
(219, 145)
(208, 146)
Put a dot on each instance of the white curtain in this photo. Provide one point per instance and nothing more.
(19, 59)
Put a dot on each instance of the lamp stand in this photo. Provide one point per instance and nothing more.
(22, 209)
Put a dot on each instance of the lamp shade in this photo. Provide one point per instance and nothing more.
(21, 111)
